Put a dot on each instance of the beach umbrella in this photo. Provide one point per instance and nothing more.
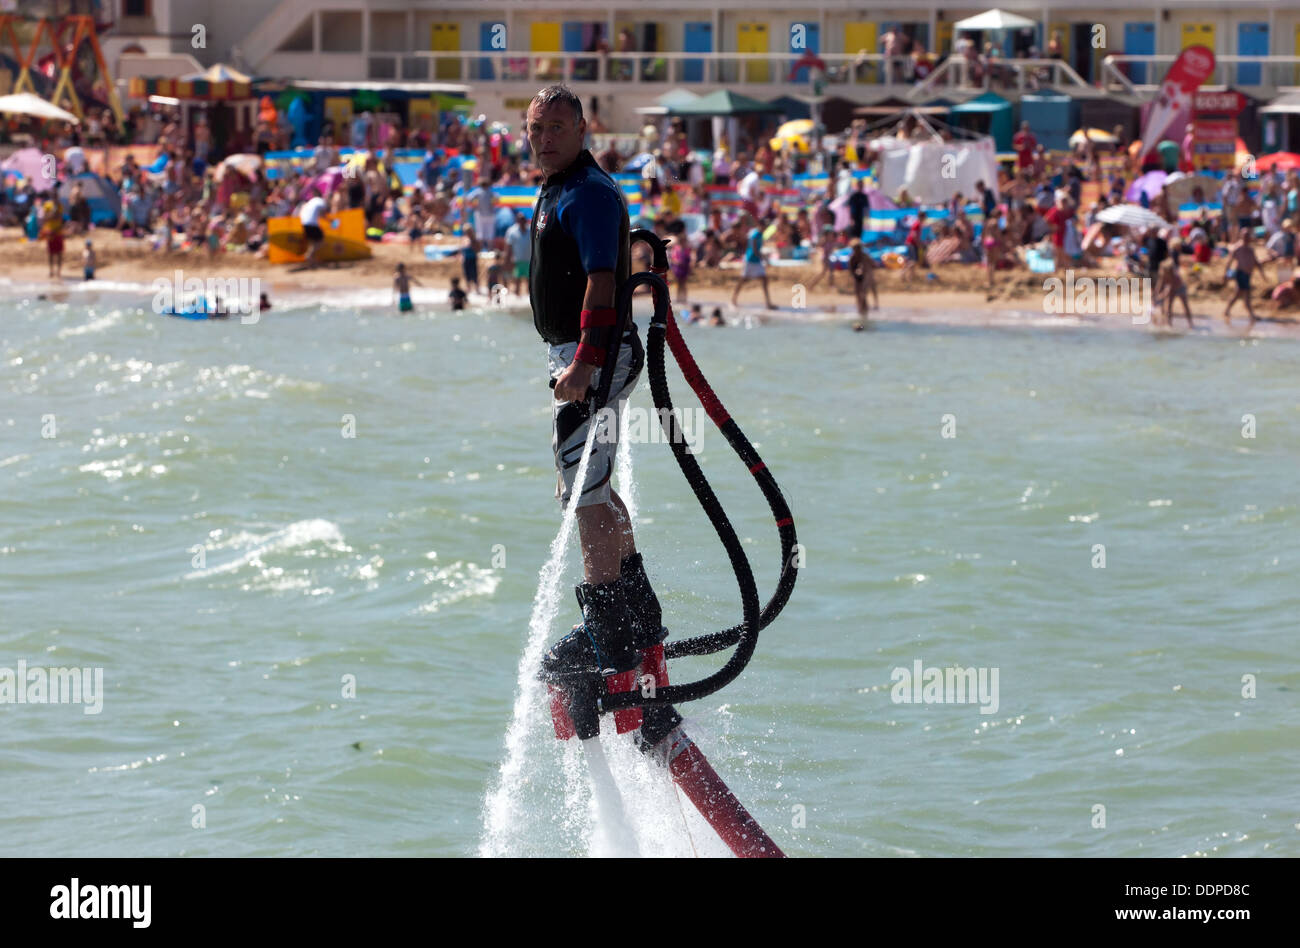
(245, 164)
(1278, 161)
(31, 164)
(1131, 215)
(1149, 184)
(1098, 136)
(638, 162)
(1180, 185)
(795, 133)
(24, 103)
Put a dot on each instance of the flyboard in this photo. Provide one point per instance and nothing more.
(642, 700)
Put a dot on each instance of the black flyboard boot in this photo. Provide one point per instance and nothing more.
(642, 602)
(603, 644)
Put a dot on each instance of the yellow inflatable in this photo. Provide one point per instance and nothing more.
(893, 261)
(345, 238)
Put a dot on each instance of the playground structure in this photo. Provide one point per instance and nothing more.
(73, 59)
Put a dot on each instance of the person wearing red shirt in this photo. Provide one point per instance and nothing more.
(1057, 216)
(1024, 144)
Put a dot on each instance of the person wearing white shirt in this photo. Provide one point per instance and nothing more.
(309, 215)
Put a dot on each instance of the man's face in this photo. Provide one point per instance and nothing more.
(554, 135)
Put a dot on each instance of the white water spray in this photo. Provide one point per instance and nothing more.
(504, 810)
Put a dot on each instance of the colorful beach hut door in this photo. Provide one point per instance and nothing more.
(1139, 40)
(698, 39)
(545, 38)
(1252, 40)
(804, 38)
(752, 38)
(446, 38)
(861, 37)
(1201, 34)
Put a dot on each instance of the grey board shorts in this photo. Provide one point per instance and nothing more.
(570, 422)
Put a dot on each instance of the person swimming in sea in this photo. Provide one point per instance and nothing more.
(402, 288)
(456, 296)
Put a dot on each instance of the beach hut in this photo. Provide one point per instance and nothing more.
(988, 114)
(1054, 117)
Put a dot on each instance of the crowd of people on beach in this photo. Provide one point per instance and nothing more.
(1032, 220)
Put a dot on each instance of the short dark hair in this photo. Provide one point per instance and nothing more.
(559, 93)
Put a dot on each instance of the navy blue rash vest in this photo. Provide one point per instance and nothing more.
(580, 226)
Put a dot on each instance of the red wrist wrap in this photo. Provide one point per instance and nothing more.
(592, 355)
(598, 318)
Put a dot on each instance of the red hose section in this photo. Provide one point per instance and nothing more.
(719, 806)
(694, 377)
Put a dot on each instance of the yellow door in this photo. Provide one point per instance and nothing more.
(545, 38)
(1201, 34)
(338, 109)
(1198, 34)
(1062, 32)
(752, 38)
(446, 36)
(860, 37)
(943, 44)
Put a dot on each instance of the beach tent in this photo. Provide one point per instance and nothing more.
(791, 107)
(995, 20)
(105, 204)
(724, 102)
(30, 164)
(988, 114)
(671, 98)
(932, 172)
(1054, 117)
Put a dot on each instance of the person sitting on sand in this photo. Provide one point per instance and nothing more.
(1286, 294)
(1242, 263)
(715, 318)
(696, 315)
(456, 296)
(402, 288)
(1170, 285)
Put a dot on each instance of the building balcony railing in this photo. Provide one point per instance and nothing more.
(1135, 74)
(1139, 75)
(639, 68)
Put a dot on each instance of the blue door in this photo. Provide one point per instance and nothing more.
(804, 38)
(485, 34)
(1139, 40)
(1252, 40)
(699, 39)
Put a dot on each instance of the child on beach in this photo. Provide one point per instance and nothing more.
(456, 296)
(1170, 284)
(402, 288)
(696, 314)
(88, 262)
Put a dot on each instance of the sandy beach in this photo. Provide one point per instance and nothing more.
(950, 294)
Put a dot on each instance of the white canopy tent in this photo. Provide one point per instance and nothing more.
(24, 103)
(995, 20)
(934, 171)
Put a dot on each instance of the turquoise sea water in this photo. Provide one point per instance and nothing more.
(199, 524)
